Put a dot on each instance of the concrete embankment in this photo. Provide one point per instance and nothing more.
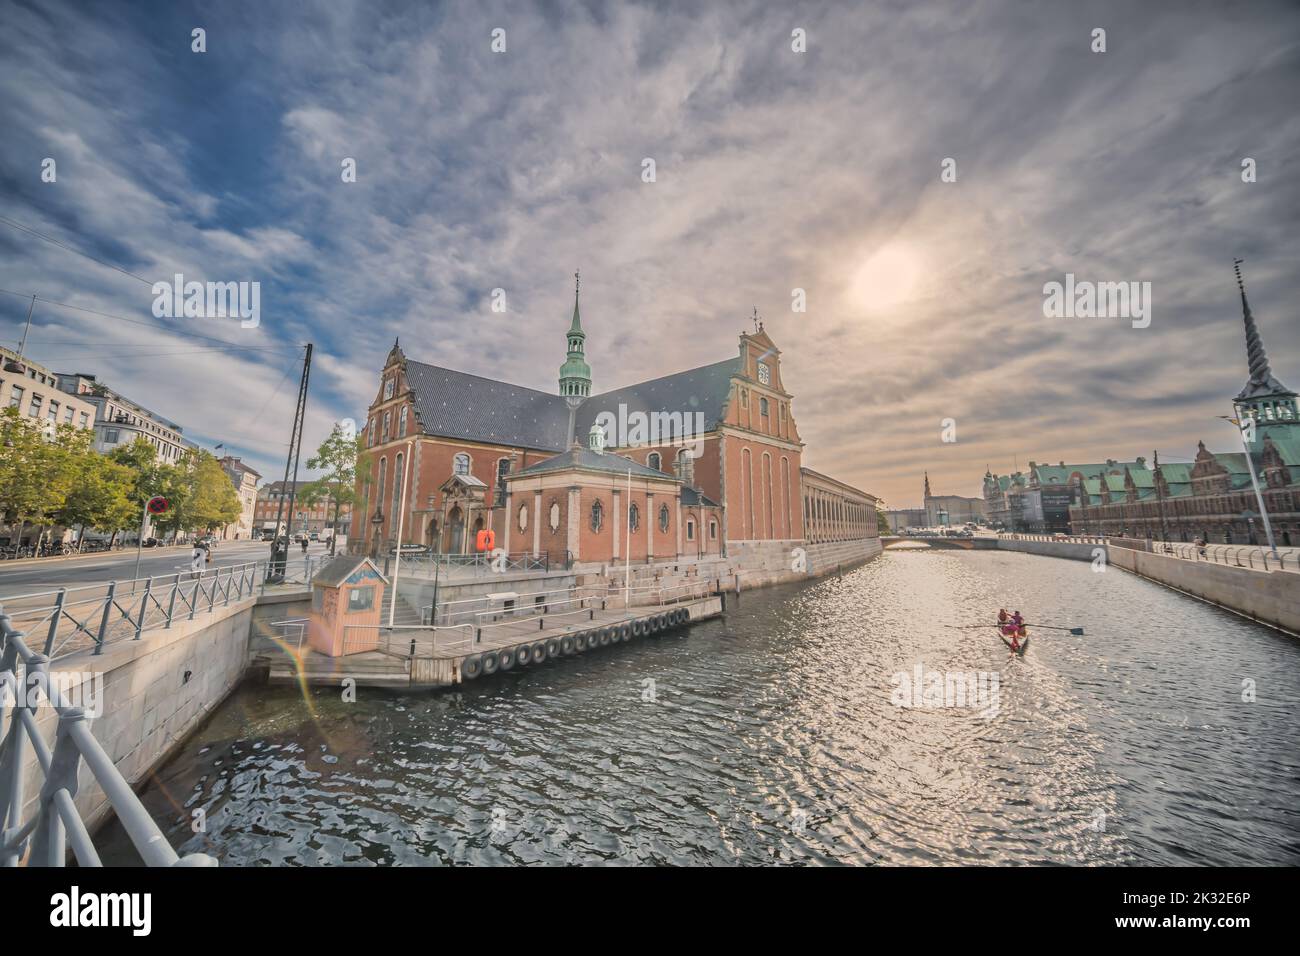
(1079, 549)
(1270, 597)
(146, 695)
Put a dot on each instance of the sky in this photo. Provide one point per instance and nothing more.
(774, 170)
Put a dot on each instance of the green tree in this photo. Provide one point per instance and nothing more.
(212, 500)
(101, 497)
(337, 457)
(882, 522)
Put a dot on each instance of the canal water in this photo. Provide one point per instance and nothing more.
(794, 731)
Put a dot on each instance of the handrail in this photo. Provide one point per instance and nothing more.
(94, 615)
(57, 823)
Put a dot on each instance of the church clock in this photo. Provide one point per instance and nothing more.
(764, 373)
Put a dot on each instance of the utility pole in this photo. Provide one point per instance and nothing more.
(291, 461)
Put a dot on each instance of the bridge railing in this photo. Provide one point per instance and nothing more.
(55, 824)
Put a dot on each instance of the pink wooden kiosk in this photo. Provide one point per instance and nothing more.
(346, 592)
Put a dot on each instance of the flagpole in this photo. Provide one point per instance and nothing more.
(627, 558)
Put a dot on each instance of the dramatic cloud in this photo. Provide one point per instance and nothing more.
(776, 170)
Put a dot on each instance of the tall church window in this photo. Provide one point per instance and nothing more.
(399, 475)
(663, 518)
(633, 517)
(401, 421)
(690, 530)
(762, 407)
(388, 421)
(597, 515)
(460, 464)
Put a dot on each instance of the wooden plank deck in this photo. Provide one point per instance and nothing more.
(444, 663)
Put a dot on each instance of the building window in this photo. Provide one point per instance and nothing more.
(523, 517)
(67, 414)
(663, 517)
(399, 476)
(652, 461)
(34, 410)
(110, 436)
(633, 517)
(361, 599)
(401, 421)
(744, 398)
(53, 414)
(690, 530)
(388, 422)
(16, 396)
(555, 516)
(389, 385)
(762, 407)
(597, 515)
(460, 464)
(713, 530)
(370, 434)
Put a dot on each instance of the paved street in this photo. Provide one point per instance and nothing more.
(25, 577)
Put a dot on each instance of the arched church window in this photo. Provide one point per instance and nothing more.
(401, 420)
(652, 461)
(460, 464)
(597, 515)
(762, 407)
(690, 530)
(633, 518)
(663, 517)
(713, 530)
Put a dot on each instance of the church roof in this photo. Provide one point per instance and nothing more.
(455, 404)
(704, 389)
(692, 497)
(584, 459)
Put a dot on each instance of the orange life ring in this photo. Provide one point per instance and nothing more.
(486, 540)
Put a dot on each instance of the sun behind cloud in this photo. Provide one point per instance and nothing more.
(888, 278)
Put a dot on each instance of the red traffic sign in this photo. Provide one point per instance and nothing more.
(158, 505)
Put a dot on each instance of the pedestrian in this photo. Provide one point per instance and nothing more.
(198, 558)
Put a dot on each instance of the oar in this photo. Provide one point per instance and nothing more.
(1078, 631)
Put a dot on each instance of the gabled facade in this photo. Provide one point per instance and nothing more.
(722, 434)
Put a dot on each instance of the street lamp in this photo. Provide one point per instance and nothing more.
(1254, 481)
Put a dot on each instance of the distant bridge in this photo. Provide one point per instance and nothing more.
(964, 544)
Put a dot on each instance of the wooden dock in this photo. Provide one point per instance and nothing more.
(435, 659)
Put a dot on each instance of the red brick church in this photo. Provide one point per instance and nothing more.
(700, 462)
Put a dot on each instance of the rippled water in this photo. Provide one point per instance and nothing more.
(773, 738)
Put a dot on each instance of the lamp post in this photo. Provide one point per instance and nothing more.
(1254, 481)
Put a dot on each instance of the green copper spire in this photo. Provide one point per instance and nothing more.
(1264, 398)
(575, 373)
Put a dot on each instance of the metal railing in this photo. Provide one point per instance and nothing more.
(1233, 555)
(56, 824)
(427, 565)
(95, 615)
(1061, 539)
(404, 640)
